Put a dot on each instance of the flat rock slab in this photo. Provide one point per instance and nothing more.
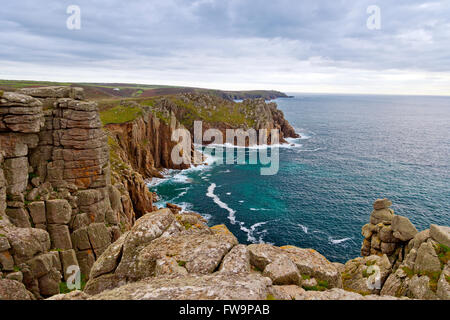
(193, 287)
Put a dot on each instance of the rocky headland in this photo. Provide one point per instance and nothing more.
(73, 193)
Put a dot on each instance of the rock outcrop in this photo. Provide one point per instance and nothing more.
(58, 207)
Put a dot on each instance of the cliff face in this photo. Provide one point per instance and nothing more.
(222, 114)
(58, 206)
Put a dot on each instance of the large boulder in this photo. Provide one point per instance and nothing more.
(441, 234)
(220, 286)
(14, 290)
(403, 228)
(366, 275)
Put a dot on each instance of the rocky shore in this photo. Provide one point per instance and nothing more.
(73, 193)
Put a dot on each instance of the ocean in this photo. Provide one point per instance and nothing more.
(353, 150)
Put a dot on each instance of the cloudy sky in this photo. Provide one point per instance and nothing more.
(289, 45)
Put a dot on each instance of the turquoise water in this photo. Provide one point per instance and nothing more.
(353, 150)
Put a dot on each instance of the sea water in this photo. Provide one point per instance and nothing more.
(353, 149)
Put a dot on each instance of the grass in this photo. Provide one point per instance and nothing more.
(120, 114)
(443, 253)
(322, 285)
(64, 289)
(270, 297)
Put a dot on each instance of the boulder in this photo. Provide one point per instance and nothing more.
(37, 212)
(403, 229)
(366, 275)
(59, 211)
(441, 234)
(381, 204)
(427, 259)
(237, 260)
(60, 236)
(73, 295)
(310, 262)
(26, 242)
(443, 286)
(382, 216)
(282, 271)
(14, 290)
(219, 286)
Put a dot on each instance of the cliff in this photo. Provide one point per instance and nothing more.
(74, 194)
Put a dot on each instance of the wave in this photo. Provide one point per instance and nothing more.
(338, 241)
(304, 228)
(220, 203)
(250, 232)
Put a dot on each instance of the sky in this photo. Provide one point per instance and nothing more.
(336, 46)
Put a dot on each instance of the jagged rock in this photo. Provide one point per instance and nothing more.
(37, 212)
(27, 242)
(60, 236)
(19, 217)
(382, 216)
(99, 237)
(263, 254)
(4, 244)
(419, 288)
(6, 261)
(367, 230)
(381, 204)
(198, 252)
(403, 228)
(282, 271)
(59, 211)
(366, 275)
(441, 234)
(386, 234)
(14, 290)
(193, 287)
(443, 286)
(16, 276)
(73, 295)
(338, 294)
(427, 259)
(109, 260)
(145, 230)
(310, 262)
(49, 283)
(237, 260)
(41, 265)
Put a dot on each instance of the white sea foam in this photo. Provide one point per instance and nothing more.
(228, 193)
(338, 241)
(250, 232)
(220, 203)
(304, 228)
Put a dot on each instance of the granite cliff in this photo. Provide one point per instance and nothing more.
(73, 193)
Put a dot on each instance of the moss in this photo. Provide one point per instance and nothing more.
(447, 278)
(254, 268)
(1, 93)
(181, 263)
(187, 225)
(346, 276)
(32, 175)
(120, 114)
(443, 253)
(2, 235)
(16, 269)
(322, 285)
(409, 272)
(306, 277)
(270, 297)
(434, 278)
(64, 289)
(371, 263)
(367, 274)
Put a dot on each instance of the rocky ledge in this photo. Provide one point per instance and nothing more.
(168, 255)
